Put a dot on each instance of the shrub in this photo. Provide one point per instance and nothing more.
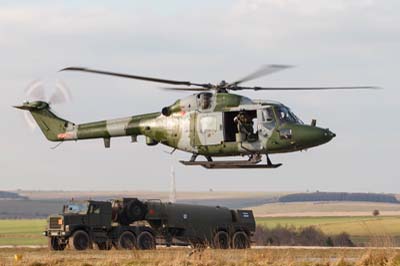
(303, 236)
(375, 213)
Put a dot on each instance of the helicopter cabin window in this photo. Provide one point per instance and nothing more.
(231, 125)
(268, 118)
(204, 100)
(208, 123)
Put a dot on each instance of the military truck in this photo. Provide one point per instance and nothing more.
(130, 223)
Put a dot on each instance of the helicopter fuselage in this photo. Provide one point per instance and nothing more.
(204, 124)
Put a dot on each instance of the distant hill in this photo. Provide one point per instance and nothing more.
(6, 195)
(339, 196)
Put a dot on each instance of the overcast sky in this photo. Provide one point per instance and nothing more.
(331, 43)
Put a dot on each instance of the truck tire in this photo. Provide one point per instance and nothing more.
(104, 245)
(126, 240)
(221, 240)
(80, 240)
(135, 210)
(146, 240)
(240, 240)
(54, 244)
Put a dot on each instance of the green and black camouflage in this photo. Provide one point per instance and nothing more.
(202, 124)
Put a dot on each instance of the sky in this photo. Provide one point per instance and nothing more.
(330, 43)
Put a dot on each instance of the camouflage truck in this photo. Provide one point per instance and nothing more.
(129, 223)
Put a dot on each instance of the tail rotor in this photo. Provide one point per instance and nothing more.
(38, 91)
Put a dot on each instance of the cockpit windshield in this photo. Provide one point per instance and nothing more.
(286, 116)
(76, 208)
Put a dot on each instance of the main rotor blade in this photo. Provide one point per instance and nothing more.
(167, 81)
(304, 88)
(185, 89)
(263, 71)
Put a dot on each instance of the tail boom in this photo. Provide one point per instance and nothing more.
(59, 129)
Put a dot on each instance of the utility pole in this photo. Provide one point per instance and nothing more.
(172, 192)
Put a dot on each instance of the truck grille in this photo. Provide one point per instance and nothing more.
(53, 224)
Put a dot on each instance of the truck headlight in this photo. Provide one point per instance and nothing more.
(66, 229)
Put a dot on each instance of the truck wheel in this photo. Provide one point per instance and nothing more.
(221, 240)
(240, 240)
(104, 245)
(126, 240)
(146, 240)
(54, 244)
(80, 240)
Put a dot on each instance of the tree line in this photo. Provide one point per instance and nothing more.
(11, 195)
(339, 196)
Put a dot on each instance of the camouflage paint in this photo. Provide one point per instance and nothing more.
(177, 126)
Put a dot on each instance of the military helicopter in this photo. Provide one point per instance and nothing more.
(213, 122)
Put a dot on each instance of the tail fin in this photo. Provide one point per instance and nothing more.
(52, 126)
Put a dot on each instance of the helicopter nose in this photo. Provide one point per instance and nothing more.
(310, 136)
(329, 134)
(325, 135)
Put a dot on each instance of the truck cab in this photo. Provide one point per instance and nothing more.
(84, 223)
(89, 217)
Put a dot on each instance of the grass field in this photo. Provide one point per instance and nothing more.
(357, 225)
(328, 208)
(22, 232)
(29, 232)
(208, 257)
(364, 230)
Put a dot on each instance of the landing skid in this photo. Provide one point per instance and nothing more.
(230, 164)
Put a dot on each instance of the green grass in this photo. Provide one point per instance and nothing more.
(22, 232)
(357, 226)
(29, 232)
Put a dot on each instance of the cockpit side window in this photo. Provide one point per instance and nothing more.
(286, 116)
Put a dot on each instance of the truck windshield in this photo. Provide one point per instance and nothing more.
(76, 208)
(286, 116)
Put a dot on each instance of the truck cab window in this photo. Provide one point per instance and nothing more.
(76, 208)
(94, 209)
